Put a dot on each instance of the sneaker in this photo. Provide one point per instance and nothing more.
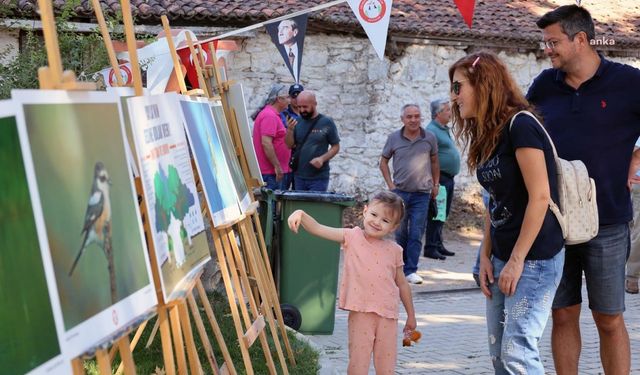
(630, 285)
(414, 278)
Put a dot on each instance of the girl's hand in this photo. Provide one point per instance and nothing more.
(410, 325)
(510, 275)
(486, 275)
(294, 220)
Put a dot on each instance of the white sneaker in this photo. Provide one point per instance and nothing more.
(414, 278)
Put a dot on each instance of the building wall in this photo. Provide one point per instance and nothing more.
(361, 93)
(9, 44)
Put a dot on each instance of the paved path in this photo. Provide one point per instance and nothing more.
(450, 314)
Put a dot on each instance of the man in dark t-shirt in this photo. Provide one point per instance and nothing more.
(315, 141)
(591, 109)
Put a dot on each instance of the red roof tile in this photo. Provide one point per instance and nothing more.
(495, 21)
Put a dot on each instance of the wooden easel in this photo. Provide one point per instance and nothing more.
(232, 266)
(52, 77)
(173, 316)
(250, 240)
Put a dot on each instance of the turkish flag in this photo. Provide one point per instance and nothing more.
(466, 10)
(184, 53)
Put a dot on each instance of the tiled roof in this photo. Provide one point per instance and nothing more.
(496, 21)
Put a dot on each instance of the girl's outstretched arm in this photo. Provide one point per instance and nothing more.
(407, 300)
(312, 226)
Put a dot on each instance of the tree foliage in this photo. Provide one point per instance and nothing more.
(84, 53)
(172, 197)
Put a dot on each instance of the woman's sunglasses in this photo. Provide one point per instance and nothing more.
(456, 86)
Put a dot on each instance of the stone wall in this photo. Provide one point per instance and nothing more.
(9, 43)
(361, 93)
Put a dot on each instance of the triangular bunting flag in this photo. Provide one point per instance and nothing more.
(288, 36)
(374, 17)
(466, 10)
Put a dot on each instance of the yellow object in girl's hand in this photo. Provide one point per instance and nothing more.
(413, 336)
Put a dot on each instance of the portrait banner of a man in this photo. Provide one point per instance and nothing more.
(288, 37)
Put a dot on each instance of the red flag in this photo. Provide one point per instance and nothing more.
(466, 10)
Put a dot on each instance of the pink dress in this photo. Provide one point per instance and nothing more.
(368, 279)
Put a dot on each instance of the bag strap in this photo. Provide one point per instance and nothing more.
(552, 205)
(555, 153)
(313, 124)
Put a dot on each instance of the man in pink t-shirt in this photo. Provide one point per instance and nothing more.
(268, 139)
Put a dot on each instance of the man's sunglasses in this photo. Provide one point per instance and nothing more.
(456, 86)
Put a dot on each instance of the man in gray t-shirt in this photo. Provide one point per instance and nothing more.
(416, 175)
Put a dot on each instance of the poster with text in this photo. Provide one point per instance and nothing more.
(29, 327)
(76, 163)
(230, 154)
(237, 103)
(210, 160)
(170, 192)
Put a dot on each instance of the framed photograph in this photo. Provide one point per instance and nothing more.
(237, 103)
(210, 160)
(30, 342)
(230, 154)
(74, 150)
(170, 191)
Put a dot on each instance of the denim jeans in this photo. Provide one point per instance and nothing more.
(409, 234)
(270, 180)
(516, 323)
(433, 235)
(306, 184)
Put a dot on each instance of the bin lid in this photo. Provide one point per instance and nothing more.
(316, 196)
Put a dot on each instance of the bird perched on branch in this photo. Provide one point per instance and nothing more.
(97, 219)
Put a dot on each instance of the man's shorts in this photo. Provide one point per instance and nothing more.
(603, 261)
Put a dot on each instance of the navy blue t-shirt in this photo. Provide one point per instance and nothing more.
(502, 178)
(599, 124)
(323, 135)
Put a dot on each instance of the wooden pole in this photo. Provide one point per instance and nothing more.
(127, 19)
(107, 41)
(177, 66)
(196, 64)
(50, 40)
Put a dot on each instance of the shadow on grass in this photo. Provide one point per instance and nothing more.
(149, 360)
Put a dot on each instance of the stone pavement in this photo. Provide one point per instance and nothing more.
(450, 313)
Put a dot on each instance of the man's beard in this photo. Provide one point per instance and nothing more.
(306, 115)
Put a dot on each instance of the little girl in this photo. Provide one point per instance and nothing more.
(371, 283)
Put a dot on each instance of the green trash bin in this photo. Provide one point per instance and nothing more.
(308, 264)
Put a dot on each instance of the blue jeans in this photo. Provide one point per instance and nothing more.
(306, 184)
(433, 235)
(270, 180)
(602, 259)
(409, 234)
(516, 323)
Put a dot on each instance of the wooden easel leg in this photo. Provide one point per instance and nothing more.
(127, 358)
(203, 334)
(178, 343)
(229, 286)
(165, 338)
(258, 271)
(231, 241)
(214, 325)
(104, 362)
(134, 342)
(194, 362)
(272, 288)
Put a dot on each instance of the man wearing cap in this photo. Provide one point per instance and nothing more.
(292, 110)
(316, 141)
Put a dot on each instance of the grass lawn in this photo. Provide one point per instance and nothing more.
(149, 361)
